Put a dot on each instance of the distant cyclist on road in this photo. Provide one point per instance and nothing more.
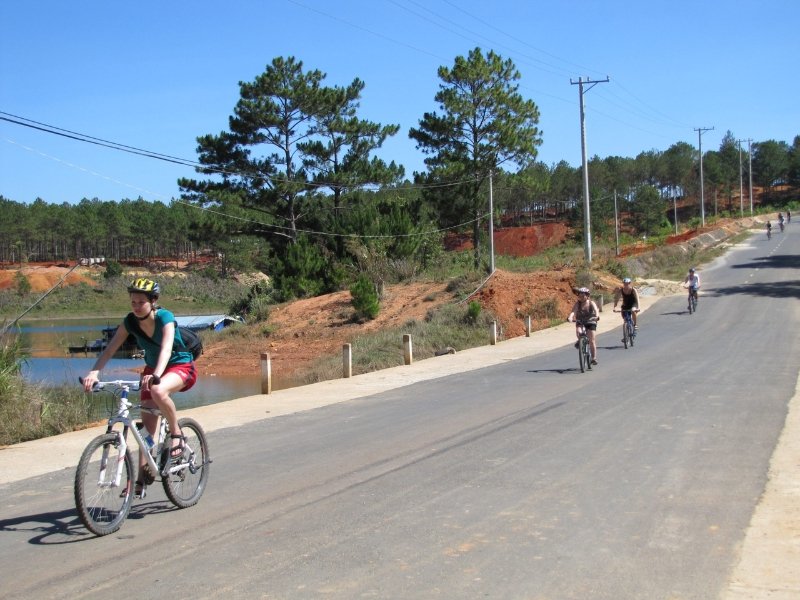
(585, 311)
(630, 299)
(692, 281)
(788, 216)
(769, 230)
(780, 221)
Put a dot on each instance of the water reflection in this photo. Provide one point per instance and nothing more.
(45, 343)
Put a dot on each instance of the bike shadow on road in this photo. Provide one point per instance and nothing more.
(64, 524)
(64, 527)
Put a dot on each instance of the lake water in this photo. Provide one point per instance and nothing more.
(46, 343)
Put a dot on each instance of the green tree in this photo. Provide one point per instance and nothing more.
(339, 156)
(770, 164)
(794, 162)
(485, 125)
(288, 135)
(729, 166)
(648, 210)
(678, 167)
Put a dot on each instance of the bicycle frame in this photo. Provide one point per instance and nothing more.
(120, 390)
(627, 316)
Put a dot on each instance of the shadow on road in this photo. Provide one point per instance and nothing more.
(777, 261)
(66, 525)
(781, 289)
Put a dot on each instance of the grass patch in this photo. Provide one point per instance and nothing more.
(30, 411)
(448, 327)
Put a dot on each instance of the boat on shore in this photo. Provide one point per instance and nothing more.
(129, 349)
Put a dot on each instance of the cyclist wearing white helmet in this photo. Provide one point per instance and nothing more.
(692, 281)
(585, 311)
(169, 365)
(630, 299)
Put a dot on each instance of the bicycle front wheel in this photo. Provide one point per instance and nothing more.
(631, 333)
(626, 336)
(186, 477)
(103, 503)
(582, 355)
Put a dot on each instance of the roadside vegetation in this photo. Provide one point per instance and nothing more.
(30, 411)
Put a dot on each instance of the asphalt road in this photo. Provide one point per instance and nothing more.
(521, 480)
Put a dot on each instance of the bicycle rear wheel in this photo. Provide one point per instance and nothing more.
(582, 354)
(587, 355)
(184, 485)
(102, 503)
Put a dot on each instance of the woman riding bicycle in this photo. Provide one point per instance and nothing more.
(585, 312)
(169, 365)
(692, 281)
(630, 300)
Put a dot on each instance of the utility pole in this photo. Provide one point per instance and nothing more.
(616, 225)
(741, 182)
(587, 233)
(700, 131)
(750, 173)
(491, 226)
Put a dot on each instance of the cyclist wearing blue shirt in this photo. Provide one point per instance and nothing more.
(169, 366)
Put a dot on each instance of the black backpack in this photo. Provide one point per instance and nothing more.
(191, 341)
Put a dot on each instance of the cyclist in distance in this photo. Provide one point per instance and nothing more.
(788, 216)
(769, 229)
(630, 299)
(780, 221)
(168, 368)
(692, 281)
(586, 312)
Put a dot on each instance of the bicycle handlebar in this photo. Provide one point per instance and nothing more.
(134, 385)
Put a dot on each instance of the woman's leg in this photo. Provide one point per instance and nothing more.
(170, 382)
(592, 344)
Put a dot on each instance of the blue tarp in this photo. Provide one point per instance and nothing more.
(204, 322)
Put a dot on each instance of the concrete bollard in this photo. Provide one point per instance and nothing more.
(266, 373)
(528, 326)
(493, 334)
(347, 360)
(408, 352)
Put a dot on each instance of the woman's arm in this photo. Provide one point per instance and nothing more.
(114, 344)
(167, 340)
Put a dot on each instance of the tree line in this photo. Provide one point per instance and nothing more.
(293, 187)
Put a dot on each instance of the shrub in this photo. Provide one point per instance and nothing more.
(113, 270)
(365, 298)
(473, 311)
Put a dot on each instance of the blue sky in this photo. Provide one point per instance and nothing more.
(156, 75)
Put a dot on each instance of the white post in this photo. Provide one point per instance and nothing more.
(493, 334)
(528, 326)
(266, 373)
(347, 361)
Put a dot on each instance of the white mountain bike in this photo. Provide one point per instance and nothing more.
(104, 480)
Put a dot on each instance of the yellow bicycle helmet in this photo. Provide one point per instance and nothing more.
(145, 286)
